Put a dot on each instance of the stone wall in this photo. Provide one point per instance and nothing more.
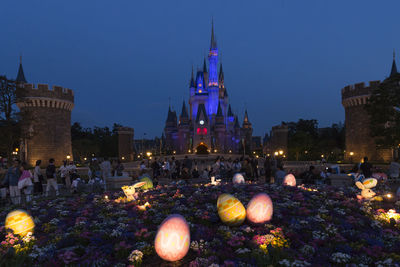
(359, 142)
(125, 143)
(47, 122)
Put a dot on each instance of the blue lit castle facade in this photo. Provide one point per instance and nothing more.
(209, 125)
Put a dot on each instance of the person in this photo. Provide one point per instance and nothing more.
(12, 176)
(309, 176)
(247, 169)
(142, 168)
(94, 169)
(37, 178)
(236, 166)
(105, 167)
(72, 170)
(25, 181)
(254, 166)
(155, 167)
(166, 168)
(366, 168)
(280, 175)
(187, 163)
(51, 177)
(267, 170)
(64, 173)
(119, 169)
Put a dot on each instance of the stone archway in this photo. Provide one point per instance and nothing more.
(202, 149)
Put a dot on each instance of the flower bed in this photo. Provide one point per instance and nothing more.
(319, 228)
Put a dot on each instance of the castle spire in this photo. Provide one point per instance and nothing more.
(394, 68)
(219, 112)
(204, 66)
(192, 79)
(20, 76)
(221, 75)
(230, 114)
(184, 114)
(213, 44)
(246, 116)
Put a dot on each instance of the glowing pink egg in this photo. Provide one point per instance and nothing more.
(173, 238)
(289, 180)
(260, 209)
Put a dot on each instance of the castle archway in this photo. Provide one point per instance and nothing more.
(202, 149)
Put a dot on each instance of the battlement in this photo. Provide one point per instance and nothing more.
(43, 90)
(359, 89)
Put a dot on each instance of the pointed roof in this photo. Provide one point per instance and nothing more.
(213, 44)
(230, 114)
(394, 67)
(221, 73)
(192, 80)
(204, 66)
(184, 114)
(171, 115)
(236, 122)
(20, 75)
(219, 112)
(201, 113)
(246, 116)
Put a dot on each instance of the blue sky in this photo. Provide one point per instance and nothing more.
(283, 59)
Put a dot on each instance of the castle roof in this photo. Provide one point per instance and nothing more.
(204, 66)
(246, 116)
(192, 85)
(221, 73)
(184, 114)
(230, 114)
(201, 113)
(219, 112)
(213, 44)
(393, 71)
(236, 122)
(171, 116)
(20, 75)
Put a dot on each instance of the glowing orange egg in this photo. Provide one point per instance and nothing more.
(20, 222)
(260, 209)
(173, 238)
(289, 180)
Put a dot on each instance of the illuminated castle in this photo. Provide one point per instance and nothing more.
(209, 125)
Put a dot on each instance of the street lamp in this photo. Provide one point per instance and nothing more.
(280, 152)
(68, 157)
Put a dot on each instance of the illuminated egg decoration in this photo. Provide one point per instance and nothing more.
(20, 222)
(289, 180)
(370, 183)
(173, 238)
(148, 182)
(230, 210)
(260, 209)
(238, 178)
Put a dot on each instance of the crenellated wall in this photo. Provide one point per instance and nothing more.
(47, 122)
(359, 142)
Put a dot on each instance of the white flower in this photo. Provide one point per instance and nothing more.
(242, 250)
(339, 257)
(135, 256)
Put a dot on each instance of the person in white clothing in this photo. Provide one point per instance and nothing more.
(51, 177)
(64, 172)
(37, 178)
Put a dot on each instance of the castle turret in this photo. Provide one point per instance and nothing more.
(184, 131)
(201, 137)
(205, 71)
(20, 76)
(393, 71)
(171, 131)
(247, 133)
(46, 119)
(220, 131)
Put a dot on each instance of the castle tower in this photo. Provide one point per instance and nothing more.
(184, 131)
(171, 131)
(125, 143)
(201, 137)
(247, 133)
(213, 88)
(220, 131)
(46, 120)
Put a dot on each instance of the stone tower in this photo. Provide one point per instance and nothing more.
(47, 121)
(125, 143)
(359, 142)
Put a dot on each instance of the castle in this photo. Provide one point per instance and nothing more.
(46, 117)
(209, 125)
(359, 142)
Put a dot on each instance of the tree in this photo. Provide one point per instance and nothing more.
(383, 114)
(10, 128)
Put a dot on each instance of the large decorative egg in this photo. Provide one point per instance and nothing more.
(238, 178)
(173, 238)
(289, 180)
(369, 183)
(230, 210)
(148, 182)
(260, 209)
(20, 222)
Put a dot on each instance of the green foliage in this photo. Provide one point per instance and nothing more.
(308, 142)
(384, 118)
(98, 141)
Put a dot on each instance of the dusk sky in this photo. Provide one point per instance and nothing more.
(283, 60)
